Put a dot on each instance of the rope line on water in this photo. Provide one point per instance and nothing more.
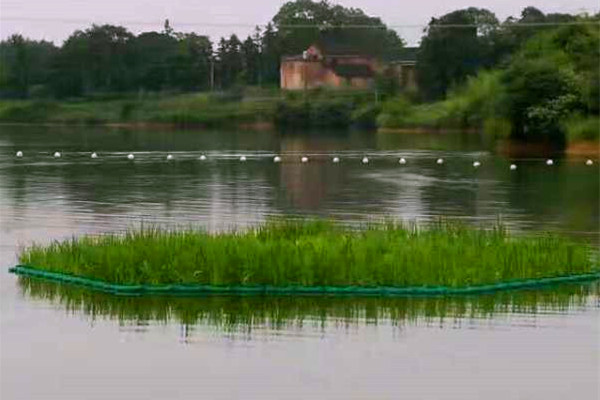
(199, 290)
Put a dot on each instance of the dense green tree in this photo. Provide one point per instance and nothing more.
(301, 23)
(230, 62)
(154, 55)
(192, 62)
(24, 65)
(514, 32)
(251, 59)
(97, 59)
(555, 74)
(454, 47)
(271, 52)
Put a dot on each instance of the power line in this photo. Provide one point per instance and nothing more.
(306, 26)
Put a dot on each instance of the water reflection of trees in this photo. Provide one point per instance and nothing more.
(245, 313)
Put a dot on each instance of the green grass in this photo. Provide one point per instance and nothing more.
(583, 128)
(327, 108)
(181, 109)
(475, 104)
(316, 253)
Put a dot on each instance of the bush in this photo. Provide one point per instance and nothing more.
(366, 115)
(580, 127)
(28, 111)
(127, 110)
(332, 113)
(496, 127)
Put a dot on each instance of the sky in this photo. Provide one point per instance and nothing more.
(56, 20)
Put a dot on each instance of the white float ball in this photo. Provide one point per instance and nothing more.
(440, 161)
(202, 157)
(19, 154)
(402, 161)
(549, 162)
(243, 158)
(94, 155)
(589, 162)
(365, 160)
(169, 157)
(336, 160)
(476, 164)
(57, 154)
(304, 159)
(130, 156)
(276, 159)
(513, 167)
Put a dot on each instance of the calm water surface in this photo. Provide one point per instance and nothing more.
(63, 343)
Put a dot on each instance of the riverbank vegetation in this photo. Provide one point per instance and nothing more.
(317, 253)
(531, 78)
(531, 84)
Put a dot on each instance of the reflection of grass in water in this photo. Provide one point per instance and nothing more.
(317, 253)
(232, 313)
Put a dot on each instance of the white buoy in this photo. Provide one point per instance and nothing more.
(243, 158)
(19, 154)
(476, 164)
(402, 161)
(202, 157)
(130, 156)
(365, 160)
(169, 157)
(276, 159)
(440, 161)
(94, 155)
(549, 162)
(56, 154)
(513, 167)
(588, 162)
(336, 160)
(304, 159)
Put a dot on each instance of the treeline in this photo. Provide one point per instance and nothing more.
(459, 44)
(110, 59)
(533, 78)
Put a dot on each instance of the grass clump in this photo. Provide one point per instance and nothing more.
(317, 253)
(580, 127)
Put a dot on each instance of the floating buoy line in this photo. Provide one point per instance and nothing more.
(303, 159)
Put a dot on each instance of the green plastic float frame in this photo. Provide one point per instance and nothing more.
(203, 290)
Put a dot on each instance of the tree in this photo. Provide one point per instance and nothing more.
(230, 61)
(155, 53)
(448, 55)
(271, 52)
(251, 59)
(513, 33)
(554, 75)
(25, 65)
(97, 59)
(192, 62)
(301, 23)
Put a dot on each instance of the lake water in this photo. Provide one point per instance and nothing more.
(66, 343)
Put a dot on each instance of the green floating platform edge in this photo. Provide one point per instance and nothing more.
(196, 289)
